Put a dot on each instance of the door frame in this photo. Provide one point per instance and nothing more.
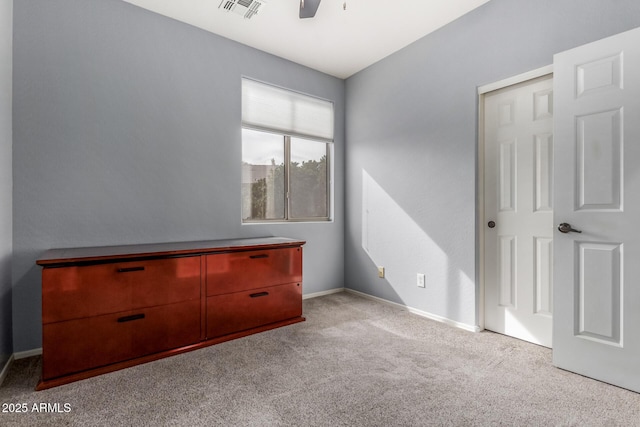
(480, 259)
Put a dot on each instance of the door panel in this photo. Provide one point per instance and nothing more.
(507, 189)
(544, 178)
(597, 191)
(544, 276)
(598, 160)
(518, 196)
(507, 267)
(599, 292)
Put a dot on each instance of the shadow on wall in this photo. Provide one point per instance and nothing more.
(391, 238)
(27, 294)
(6, 336)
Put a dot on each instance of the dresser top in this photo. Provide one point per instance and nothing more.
(70, 256)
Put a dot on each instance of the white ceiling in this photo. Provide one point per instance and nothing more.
(336, 41)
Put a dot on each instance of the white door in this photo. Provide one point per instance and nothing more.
(596, 323)
(518, 150)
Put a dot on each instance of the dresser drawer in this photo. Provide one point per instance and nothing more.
(76, 345)
(81, 291)
(240, 271)
(245, 310)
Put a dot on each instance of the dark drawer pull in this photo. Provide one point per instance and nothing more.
(129, 269)
(259, 294)
(131, 318)
(259, 256)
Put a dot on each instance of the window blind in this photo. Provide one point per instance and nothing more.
(270, 108)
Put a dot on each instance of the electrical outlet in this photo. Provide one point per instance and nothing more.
(421, 280)
(381, 272)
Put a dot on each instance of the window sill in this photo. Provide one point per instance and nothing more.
(295, 221)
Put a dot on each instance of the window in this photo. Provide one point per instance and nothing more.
(286, 152)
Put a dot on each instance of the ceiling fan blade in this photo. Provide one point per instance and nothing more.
(308, 8)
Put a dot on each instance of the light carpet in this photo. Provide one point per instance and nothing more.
(354, 362)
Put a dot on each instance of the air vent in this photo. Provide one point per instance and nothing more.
(246, 8)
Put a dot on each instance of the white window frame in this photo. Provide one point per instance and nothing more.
(259, 115)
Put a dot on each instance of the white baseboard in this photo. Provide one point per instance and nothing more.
(437, 318)
(28, 353)
(323, 293)
(5, 369)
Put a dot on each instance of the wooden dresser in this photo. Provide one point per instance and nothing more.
(108, 308)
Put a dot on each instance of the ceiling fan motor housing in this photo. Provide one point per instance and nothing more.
(308, 8)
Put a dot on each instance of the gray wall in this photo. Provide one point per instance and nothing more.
(6, 245)
(411, 144)
(127, 130)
